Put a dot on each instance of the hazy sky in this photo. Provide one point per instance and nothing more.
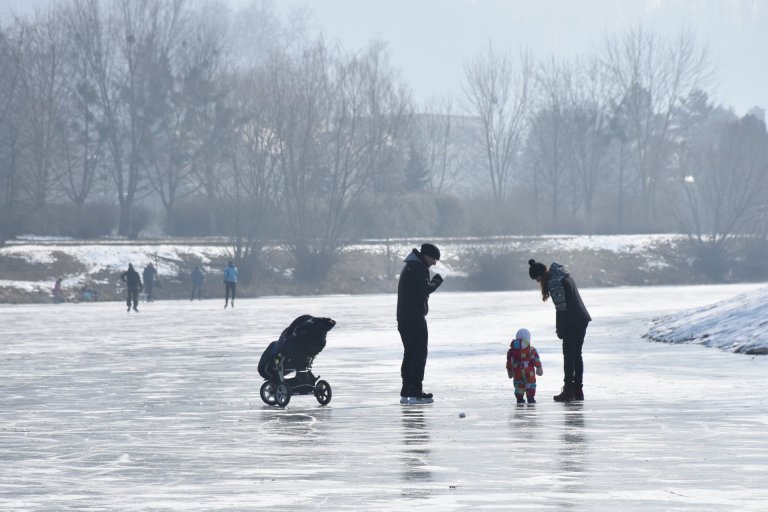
(431, 39)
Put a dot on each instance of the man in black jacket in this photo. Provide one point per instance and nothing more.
(571, 322)
(133, 280)
(413, 292)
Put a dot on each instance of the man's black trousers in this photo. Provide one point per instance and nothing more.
(414, 336)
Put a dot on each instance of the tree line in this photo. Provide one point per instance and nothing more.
(124, 117)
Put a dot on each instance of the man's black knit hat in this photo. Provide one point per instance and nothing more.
(430, 250)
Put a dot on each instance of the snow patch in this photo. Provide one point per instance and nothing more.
(736, 325)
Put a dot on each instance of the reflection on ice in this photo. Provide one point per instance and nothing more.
(416, 452)
(161, 411)
(574, 441)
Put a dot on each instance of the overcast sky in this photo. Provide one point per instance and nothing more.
(431, 39)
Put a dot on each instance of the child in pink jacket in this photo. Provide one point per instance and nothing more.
(523, 364)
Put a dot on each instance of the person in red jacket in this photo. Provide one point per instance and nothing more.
(523, 365)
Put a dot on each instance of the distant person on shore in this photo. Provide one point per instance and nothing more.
(197, 284)
(523, 365)
(230, 283)
(88, 293)
(58, 294)
(150, 274)
(571, 323)
(132, 278)
(413, 290)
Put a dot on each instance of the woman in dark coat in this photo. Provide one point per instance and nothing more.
(571, 323)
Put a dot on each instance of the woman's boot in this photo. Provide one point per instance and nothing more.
(566, 395)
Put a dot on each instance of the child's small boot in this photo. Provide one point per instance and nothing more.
(578, 392)
(566, 395)
(520, 399)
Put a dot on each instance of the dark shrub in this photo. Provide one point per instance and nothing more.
(451, 217)
(190, 218)
(98, 219)
(711, 259)
(498, 269)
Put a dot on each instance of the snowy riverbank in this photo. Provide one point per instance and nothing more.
(28, 268)
(737, 324)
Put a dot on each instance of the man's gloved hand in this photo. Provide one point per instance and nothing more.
(437, 279)
(539, 371)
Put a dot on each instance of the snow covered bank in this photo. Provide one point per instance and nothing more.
(30, 266)
(739, 324)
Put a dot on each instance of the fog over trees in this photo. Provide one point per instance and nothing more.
(145, 118)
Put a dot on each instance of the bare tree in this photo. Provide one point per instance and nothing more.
(438, 142)
(125, 47)
(252, 162)
(497, 91)
(43, 83)
(339, 120)
(590, 136)
(725, 184)
(652, 73)
(192, 68)
(547, 143)
(257, 31)
(11, 127)
(93, 31)
(215, 135)
(81, 136)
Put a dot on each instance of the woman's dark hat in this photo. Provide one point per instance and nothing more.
(536, 269)
(430, 250)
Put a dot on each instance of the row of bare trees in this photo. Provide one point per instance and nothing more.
(115, 114)
(142, 101)
(624, 140)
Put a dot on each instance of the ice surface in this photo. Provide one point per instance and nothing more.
(105, 410)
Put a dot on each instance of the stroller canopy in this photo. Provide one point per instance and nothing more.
(298, 343)
(305, 335)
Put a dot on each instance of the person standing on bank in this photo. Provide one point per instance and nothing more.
(197, 284)
(413, 292)
(58, 293)
(150, 273)
(571, 323)
(230, 283)
(133, 280)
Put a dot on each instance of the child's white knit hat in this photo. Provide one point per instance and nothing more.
(523, 334)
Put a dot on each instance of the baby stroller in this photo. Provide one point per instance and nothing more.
(294, 351)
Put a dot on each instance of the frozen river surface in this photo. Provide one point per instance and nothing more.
(104, 410)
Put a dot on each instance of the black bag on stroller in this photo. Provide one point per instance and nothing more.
(294, 351)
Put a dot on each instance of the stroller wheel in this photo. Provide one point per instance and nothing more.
(282, 395)
(323, 392)
(268, 393)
